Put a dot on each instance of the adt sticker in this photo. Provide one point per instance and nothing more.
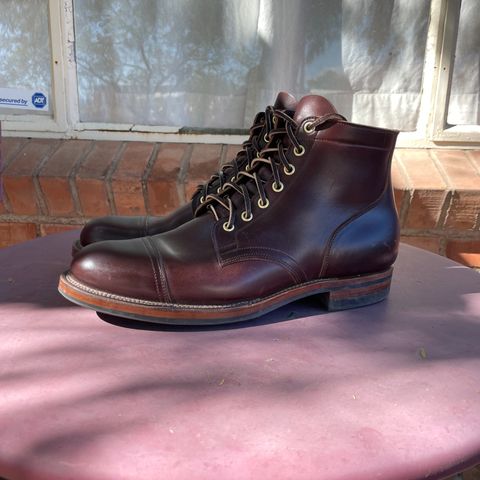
(23, 99)
(39, 100)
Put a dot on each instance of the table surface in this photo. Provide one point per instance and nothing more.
(390, 391)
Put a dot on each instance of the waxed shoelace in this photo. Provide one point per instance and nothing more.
(273, 156)
(262, 125)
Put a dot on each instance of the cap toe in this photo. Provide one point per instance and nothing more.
(121, 267)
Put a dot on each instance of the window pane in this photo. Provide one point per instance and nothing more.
(25, 64)
(464, 107)
(215, 63)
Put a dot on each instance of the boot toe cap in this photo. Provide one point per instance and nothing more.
(121, 267)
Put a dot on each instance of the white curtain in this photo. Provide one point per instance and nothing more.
(383, 49)
(464, 105)
(214, 63)
(365, 56)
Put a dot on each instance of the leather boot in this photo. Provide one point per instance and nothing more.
(312, 215)
(123, 227)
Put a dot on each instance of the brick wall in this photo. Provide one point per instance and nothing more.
(55, 185)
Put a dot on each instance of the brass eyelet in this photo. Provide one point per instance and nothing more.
(299, 152)
(245, 217)
(228, 228)
(290, 170)
(258, 155)
(277, 188)
(263, 205)
(233, 179)
(202, 199)
(219, 190)
(275, 121)
(248, 168)
(307, 127)
(266, 138)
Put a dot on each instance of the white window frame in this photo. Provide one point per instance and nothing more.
(432, 127)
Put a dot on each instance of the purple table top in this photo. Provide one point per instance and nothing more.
(390, 391)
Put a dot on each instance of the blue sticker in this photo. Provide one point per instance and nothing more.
(39, 100)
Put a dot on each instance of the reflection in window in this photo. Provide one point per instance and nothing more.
(464, 107)
(25, 60)
(215, 63)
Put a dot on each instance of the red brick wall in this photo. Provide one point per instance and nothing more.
(55, 185)
(438, 199)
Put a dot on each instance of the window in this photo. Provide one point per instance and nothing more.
(464, 104)
(25, 55)
(152, 69)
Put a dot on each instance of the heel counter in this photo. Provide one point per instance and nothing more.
(368, 243)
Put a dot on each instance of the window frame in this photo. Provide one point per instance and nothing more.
(64, 122)
(439, 130)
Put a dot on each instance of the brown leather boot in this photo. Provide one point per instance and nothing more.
(313, 215)
(124, 227)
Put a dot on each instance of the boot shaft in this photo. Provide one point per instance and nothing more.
(341, 182)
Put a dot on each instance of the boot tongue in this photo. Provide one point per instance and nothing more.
(285, 101)
(308, 106)
(288, 103)
(312, 106)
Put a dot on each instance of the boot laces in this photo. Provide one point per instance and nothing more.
(258, 135)
(249, 181)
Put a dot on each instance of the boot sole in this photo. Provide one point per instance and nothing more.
(335, 294)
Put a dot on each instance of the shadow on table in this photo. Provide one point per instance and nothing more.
(29, 271)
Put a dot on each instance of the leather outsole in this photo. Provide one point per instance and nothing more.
(334, 293)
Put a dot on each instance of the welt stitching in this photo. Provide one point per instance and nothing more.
(138, 301)
(161, 271)
(153, 268)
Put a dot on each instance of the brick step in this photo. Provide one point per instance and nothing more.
(54, 185)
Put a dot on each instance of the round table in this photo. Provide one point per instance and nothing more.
(390, 391)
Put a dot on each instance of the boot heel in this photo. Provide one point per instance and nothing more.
(359, 292)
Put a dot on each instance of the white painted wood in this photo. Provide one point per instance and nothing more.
(446, 41)
(459, 133)
(59, 92)
(36, 125)
(125, 127)
(433, 51)
(69, 66)
(405, 139)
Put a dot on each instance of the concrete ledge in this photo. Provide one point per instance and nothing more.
(56, 185)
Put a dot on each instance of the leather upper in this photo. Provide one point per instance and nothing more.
(125, 227)
(335, 217)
